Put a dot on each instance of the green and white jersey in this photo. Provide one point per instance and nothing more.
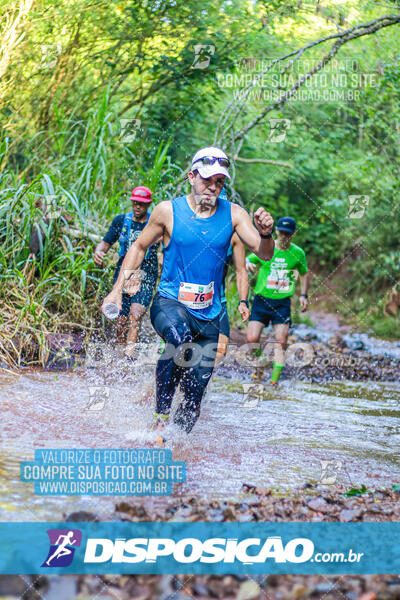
(276, 276)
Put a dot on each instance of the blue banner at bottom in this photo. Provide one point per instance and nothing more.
(246, 548)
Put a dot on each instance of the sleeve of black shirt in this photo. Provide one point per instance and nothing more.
(114, 231)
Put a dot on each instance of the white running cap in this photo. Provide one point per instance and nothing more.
(207, 171)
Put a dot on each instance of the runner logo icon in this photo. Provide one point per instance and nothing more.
(62, 547)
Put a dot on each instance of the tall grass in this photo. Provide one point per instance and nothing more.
(53, 211)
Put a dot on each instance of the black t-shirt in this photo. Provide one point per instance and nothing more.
(149, 264)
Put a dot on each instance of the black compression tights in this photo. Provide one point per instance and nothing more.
(181, 363)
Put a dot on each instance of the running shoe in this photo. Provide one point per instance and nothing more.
(158, 425)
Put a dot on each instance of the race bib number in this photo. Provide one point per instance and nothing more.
(278, 280)
(196, 296)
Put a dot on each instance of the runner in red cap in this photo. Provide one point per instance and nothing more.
(126, 228)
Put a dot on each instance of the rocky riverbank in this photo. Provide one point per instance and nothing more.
(315, 354)
(200, 587)
(309, 503)
(315, 503)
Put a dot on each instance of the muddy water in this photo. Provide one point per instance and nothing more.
(258, 435)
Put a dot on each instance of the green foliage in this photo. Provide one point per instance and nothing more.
(357, 491)
(78, 70)
(299, 317)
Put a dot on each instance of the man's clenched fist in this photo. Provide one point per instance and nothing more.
(263, 221)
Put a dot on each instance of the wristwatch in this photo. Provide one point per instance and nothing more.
(266, 237)
(245, 301)
(304, 295)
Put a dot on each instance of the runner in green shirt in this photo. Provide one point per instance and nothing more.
(274, 288)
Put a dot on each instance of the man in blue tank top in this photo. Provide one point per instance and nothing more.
(196, 230)
(125, 229)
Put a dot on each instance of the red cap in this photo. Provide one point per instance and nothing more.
(141, 194)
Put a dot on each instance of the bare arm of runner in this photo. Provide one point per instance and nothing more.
(133, 284)
(250, 234)
(158, 226)
(100, 252)
(242, 278)
(304, 280)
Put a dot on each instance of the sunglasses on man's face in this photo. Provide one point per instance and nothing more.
(210, 160)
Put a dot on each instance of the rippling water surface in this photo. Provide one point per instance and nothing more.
(247, 433)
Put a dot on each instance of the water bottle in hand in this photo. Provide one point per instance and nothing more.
(111, 310)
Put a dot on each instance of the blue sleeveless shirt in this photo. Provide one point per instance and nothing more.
(195, 257)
